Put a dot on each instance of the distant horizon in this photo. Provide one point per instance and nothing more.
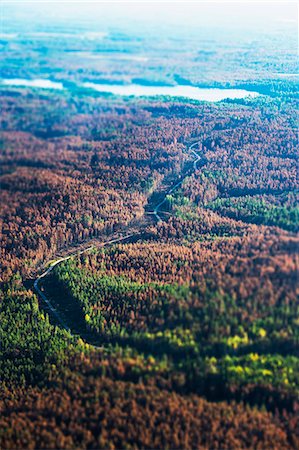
(227, 15)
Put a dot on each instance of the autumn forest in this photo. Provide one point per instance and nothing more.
(149, 260)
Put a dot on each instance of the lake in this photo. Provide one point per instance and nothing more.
(38, 82)
(190, 92)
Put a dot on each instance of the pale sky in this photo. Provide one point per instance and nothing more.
(230, 15)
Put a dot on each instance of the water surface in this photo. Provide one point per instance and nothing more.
(38, 82)
(191, 92)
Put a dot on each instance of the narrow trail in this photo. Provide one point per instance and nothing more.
(60, 320)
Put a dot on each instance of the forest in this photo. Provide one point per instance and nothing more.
(186, 335)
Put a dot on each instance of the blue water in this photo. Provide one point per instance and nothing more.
(38, 82)
(191, 92)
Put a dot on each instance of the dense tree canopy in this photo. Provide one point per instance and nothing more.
(195, 318)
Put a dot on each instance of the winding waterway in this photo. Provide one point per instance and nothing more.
(126, 237)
